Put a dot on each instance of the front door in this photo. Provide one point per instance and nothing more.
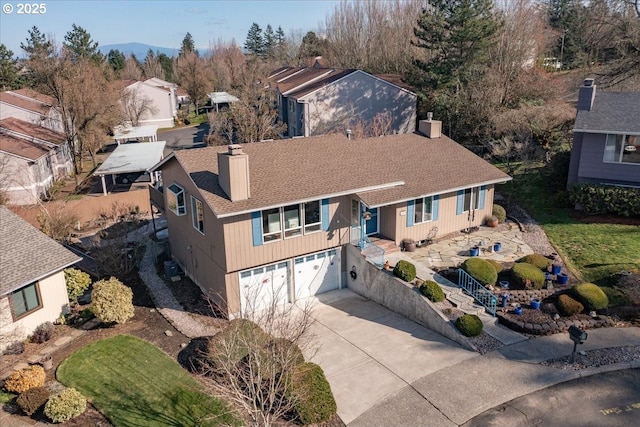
(371, 226)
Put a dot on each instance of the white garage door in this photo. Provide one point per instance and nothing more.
(317, 273)
(259, 287)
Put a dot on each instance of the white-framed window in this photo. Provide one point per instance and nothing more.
(175, 199)
(622, 149)
(471, 199)
(25, 300)
(291, 221)
(292, 106)
(197, 214)
(423, 211)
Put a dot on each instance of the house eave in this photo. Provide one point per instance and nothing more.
(606, 132)
(42, 276)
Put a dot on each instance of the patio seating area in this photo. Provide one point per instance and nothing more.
(454, 251)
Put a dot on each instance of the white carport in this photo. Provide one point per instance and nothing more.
(148, 133)
(221, 98)
(131, 158)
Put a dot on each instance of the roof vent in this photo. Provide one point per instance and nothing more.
(588, 82)
(348, 133)
(429, 116)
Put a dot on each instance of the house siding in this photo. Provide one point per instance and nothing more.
(50, 121)
(54, 301)
(593, 169)
(25, 181)
(362, 96)
(162, 100)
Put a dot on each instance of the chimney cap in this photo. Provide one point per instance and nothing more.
(429, 116)
(588, 82)
(235, 149)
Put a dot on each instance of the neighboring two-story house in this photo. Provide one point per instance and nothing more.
(32, 157)
(606, 138)
(266, 222)
(161, 98)
(316, 101)
(30, 106)
(32, 284)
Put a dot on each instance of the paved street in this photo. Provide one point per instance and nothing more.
(179, 139)
(607, 399)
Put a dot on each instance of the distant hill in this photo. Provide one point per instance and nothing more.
(138, 49)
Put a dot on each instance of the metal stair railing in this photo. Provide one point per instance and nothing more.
(484, 296)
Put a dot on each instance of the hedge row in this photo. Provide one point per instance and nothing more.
(606, 199)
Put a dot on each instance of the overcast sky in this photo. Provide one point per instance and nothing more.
(161, 23)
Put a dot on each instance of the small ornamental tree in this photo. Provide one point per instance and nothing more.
(112, 301)
(77, 282)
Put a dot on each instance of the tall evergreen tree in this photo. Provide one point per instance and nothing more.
(312, 46)
(569, 18)
(280, 37)
(255, 43)
(79, 44)
(269, 41)
(167, 66)
(9, 69)
(37, 45)
(116, 60)
(188, 45)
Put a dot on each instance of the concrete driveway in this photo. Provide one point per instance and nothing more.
(183, 138)
(368, 352)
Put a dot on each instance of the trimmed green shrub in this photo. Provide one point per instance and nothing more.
(481, 270)
(540, 261)
(602, 199)
(112, 301)
(405, 270)
(500, 213)
(591, 296)
(67, 404)
(285, 349)
(235, 342)
(498, 267)
(568, 306)
(432, 290)
(523, 273)
(77, 282)
(42, 333)
(469, 325)
(24, 379)
(33, 399)
(311, 393)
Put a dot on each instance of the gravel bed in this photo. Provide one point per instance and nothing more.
(595, 358)
(533, 235)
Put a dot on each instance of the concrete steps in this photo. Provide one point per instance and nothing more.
(465, 303)
(389, 246)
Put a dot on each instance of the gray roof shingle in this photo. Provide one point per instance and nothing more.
(611, 112)
(27, 254)
(300, 169)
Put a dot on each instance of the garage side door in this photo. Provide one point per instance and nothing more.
(317, 273)
(262, 286)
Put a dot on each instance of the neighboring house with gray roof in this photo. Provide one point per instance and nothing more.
(32, 157)
(606, 138)
(32, 285)
(268, 220)
(317, 101)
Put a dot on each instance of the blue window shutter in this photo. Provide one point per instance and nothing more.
(324, 213)
(411, 210)
(460, 203)
(256, 227)
(436, 203)
(483, 190)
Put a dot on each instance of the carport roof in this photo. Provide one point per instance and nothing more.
(222, 98)
(136, 132)
(128, 158)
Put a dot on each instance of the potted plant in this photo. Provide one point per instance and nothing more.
(535, 303)
(517, 310)
(492, 221)
(408, 245)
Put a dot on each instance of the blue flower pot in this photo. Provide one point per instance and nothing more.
(474, 251)
(535, 304)
(562, 278)
(517, 310)
(503, 300)
(556, 269)
(497, 246)
(504, 284)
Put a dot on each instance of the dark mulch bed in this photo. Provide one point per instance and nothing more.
(605, 219)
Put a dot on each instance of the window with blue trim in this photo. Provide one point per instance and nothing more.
(291, 221)
(423, 210)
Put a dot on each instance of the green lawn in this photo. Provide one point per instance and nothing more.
(133, 383)
(593, 251)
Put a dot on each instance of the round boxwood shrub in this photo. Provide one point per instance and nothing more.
(432, 290)
(500, 213)
(311, 393)
(495, 265)
(112, 301)
(591, 296)
(24, 379)
(523, 273)
(540, 261)
(67, 404)
(33, 399)
(568, 306)
(77, 282)
(469, 325)
(481, 270)
(405, 270)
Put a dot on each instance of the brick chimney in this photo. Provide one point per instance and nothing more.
(586, 95)
(233, 173)
(431, 128)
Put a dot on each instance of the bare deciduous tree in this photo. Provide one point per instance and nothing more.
(195, 77)
(131, 70)
(135, 105)
(57, 220)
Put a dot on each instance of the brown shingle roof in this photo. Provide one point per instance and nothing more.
(292, 170)
(20, 147)
(27, 104)
(297, 80)
(27, 254)
(32, 130)
(30, 93)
